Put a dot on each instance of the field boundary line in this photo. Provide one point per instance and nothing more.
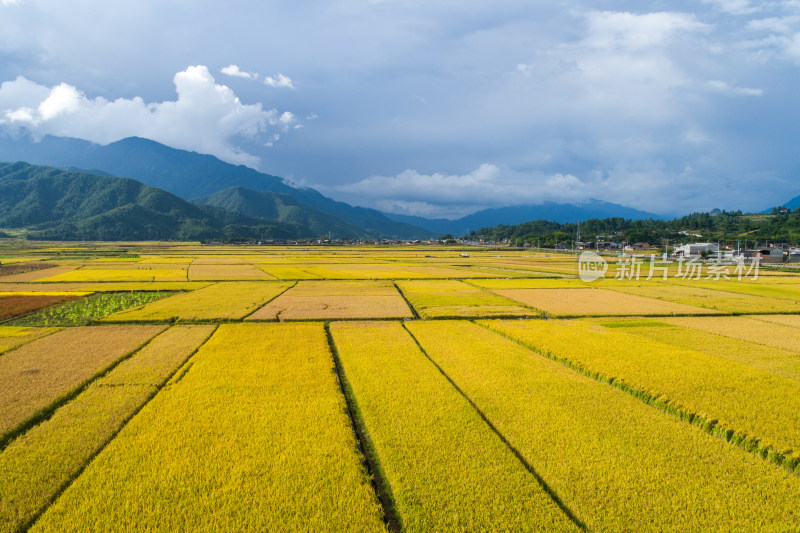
(366, 449)
(413, 309)
(57, 494)
(539, 479)
(46, 412)
(748, 443)
(291, 286)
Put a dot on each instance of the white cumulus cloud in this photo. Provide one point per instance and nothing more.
(279, 80)
(726, 88)
(235, 71)
(206, 117)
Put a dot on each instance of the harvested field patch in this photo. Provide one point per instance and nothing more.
(323, 300)
(19, 268)
(199, 272)
(127, 274)
(39, 275)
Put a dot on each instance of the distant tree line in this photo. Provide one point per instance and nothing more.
(781, 225)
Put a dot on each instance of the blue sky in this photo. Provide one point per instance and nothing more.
(432, 108)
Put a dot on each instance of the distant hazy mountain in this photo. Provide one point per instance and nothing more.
(282, 207)
(794, 202)
(186, 174)
(561, 213)
(62, 205)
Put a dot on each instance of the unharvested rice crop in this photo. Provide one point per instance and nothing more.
(446, 468)
(730, 302)
(226, 300)
(14, 305)
(767, 358)
(363, 272)
(452, 298)
(31, 474)
(13, 336)
(323, 300)
(39, 374)
(288, 272)
(749, 402)
(84, 311)
(227, 272)
(130, 274)
(255, 436)
(617, 463)
(596, 302)
(746, 329)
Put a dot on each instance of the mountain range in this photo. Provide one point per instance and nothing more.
(561, 213)
(188, 175)
(56, 204)
(209, 198)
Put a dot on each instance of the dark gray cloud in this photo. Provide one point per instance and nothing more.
(668, 107)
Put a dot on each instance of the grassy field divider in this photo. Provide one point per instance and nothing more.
(786, 459)
(24, 457)
(447, 470)
(254, 436)
(365, 446)
(411, 307)
(46, 412)
(539, 479)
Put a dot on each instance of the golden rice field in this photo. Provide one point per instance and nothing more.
(391, 388)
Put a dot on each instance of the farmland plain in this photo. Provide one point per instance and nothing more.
(175, 386)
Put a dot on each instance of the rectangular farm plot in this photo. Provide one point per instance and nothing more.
(127, 274)
(452, 298)
(41, 373)
(36, 465)
(253, 437)
(202, 272)
(447, 469)
(745, 328)
(14, 336)
(596, 302)
(39, 275)
(14, 305)
(751, 403)
(288, 272)
(731, 302)
(769, 358)
(322, 300)
(617, 463)
(220, 301)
